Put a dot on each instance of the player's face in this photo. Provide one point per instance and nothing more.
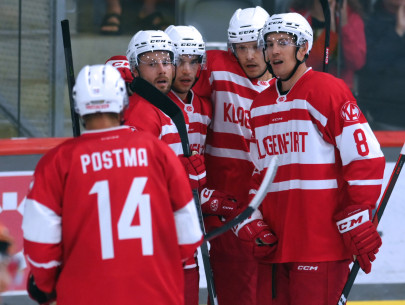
(250, 58)
(280, 52)
(186, 72)
(156, 68)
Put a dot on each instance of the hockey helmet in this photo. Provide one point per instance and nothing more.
(246, 24)
(187, 41)
(148, 41)
(290, 23)
(99, 88)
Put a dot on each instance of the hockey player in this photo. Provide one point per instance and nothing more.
(190, 52)
(232, 79)
(109, 217)
(151, 56)
(331, 169)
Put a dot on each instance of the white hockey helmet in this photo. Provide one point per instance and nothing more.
(187, 41)
(246, 24)
(290, 23)
(99, 88)
(148, 41)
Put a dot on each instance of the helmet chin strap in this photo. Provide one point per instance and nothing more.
(297, 64)
(265, 70)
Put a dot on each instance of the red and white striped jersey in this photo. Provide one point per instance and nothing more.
(143, 116)
(109, 219)
(198, 114)
(227, 150)
(329, 159)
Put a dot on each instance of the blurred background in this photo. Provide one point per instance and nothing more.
(34, 99)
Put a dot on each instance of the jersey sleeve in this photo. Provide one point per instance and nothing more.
(360, 153)
(42, 223)
(188, 229)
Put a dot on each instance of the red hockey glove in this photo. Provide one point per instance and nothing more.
(195, 169)
(258, 231)
(359, 234)
(218, 203)
(122, 64)
(37, 294)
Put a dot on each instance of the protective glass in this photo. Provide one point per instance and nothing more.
(282, 41)
(244, 49)
(154, 59)
(193, 61)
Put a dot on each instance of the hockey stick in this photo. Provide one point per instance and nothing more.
(326, 14)
(376, 219)
(167, 106)
(253, 205)
(70, 75)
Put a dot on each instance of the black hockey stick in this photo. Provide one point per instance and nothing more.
(376, 219)
(70, 75)
(167, 106)
(326, 14)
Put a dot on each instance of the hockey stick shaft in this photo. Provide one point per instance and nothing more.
(166, 105)
(326, 14)
(376, 219)
(254, 204)
(70, 75)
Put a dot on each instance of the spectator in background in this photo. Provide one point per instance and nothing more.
(382, 79)
(346, 17)
(148, 18)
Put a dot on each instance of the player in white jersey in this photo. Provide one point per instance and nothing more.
(109, 217)
(232, 79)
(330, 173)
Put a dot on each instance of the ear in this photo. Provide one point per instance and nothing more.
(302, 51)
(135, 72)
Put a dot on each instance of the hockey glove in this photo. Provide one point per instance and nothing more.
(195, 168)
(37, 294)
(122, 64)
(257, 232)
(359, 234)
(218, 203)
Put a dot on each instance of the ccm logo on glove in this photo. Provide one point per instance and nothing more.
(353, 221)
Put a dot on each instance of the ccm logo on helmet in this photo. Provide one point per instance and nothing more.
(188, 44)
(246, 32)
(275, 22)
(157, 40)
(307, 268)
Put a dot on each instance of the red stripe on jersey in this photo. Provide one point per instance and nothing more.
(228, 140)
(229, 86)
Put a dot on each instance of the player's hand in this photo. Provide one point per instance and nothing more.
(37, 294)
(195, 168)
(218, 203)
(359, 234)
(258, 233)
(122, 64)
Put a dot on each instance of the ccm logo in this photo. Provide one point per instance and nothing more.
(246, 32)
(307, 268)
(353, 221)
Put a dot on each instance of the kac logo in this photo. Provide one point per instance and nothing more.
(350, 112)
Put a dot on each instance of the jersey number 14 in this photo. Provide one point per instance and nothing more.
(135, 200)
